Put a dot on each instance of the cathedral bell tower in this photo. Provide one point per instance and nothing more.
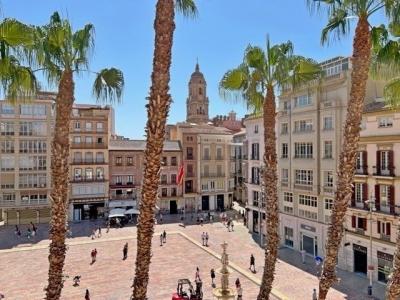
(197, 102)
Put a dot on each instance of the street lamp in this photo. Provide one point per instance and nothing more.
(371, 205)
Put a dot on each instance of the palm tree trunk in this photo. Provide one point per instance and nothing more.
(60, 183)
(393, 287)
(270, 183)
(157, 112)
(359, 77)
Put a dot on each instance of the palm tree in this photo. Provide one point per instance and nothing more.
(254, 81)
(16, 43)
(341, 13)
(61, 53)
(157, 112)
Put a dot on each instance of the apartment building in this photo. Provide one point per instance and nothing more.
(126, 175)
(377, 180)
(310, 123)
(239, 156)
(25, 152)
(254, 143)
(90, 131)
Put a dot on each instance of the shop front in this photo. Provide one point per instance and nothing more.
(385, 266)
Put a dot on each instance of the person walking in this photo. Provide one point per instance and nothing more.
(161, 218)
(239, 292)
(237, 283)
(212, 273)
(19, 233)
(93, 234)
(108, 226)
(161, 239)
(314, 294)
(231, 225)
(211, 219)
(34, 228)
(125, 251)
(303, 256)
(93, 255)
(197, 275)
(228, 223)
(16, 229)
(29, 233)
(164, 236)
(87, 295)
(203, 238)
(206, 237)
(252, 263)
(99, 232)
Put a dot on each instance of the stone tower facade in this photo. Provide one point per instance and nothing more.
(197, 102)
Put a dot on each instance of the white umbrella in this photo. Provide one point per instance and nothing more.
(131, 211)
(116, 212)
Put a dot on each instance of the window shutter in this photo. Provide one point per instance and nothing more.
(391, 164)
(365, 223)
(365, 194)
(391, 199)
(377, 197)
(388, 229)
(353, 195)
(378, 228)
(353, 221)
(378, 162)
(364, 161)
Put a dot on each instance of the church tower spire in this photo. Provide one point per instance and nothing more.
(197, 102)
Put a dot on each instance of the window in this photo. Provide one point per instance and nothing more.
(33, 109)
(303, 150)
(118, 161)
(384, 191)
(189, 139)
(288, 209)
(255, 128)
(173, 178)
(304, 177)
(328, 123)
(88, 126)
(129, 179)
(163, 179)
(100, 157)
(118, 180)
(255, 151)
(286, 105)
(77, 174)
(7, 128)
(284, 128)
(129, 161)
(164, 161)
(308, 214)
(212, 185)
(328, 203)
(206, 153)
(206, 171)
(384, 228)
(31, 146)
(99, 140)
(328, 148)
(173, 192)
(256, 197)
(77, 126)
(77, 139)
(7, 109)
(164, 192)
(7, 163)
(89, 173)
(385, 122)
(285, 176)
(32, 180)
(303, 126)
(302, 100)
(285, 150)
(360, 161)
(100, 173)
(174, 161)
(99, 127)
(328, 179)
(219, 153)
(289, 236)
(384, 160)
(189, 153)
(308, 200)
(358, 188)
(219, 170)
(200, 91)
(288, 197)
(7, 146)
(88, 140)
(255, 175)
(189, 170)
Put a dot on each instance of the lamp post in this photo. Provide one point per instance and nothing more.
(371, 205)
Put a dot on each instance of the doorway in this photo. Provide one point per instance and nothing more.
(205, 203)
(173, 207)
(220, 202)
(360, 259)
(308, 244)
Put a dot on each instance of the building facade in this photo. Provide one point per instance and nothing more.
(376, 180)
(126, 175)
(90, 131)
(239, 156)
(197, 101)
(25, 153)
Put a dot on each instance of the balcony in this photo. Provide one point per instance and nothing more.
(117, 185)
(207, 157)
(387, 172)
(88, 162)
(328, 189)
(189, 157)
(360, 231)
(30, 202)
(7, 203)
(304, 187)
(385, 237)
(189, 174)
(213, 175)
(219, 158)
(255, 157)
(87, 179)
(298, 156)
(362, 170)
(88, 146)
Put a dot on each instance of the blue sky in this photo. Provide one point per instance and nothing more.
(218, 37)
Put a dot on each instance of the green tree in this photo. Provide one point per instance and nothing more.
(17, 41)
(61, 53)
(340, 14)
(157, 112)
(255, 81)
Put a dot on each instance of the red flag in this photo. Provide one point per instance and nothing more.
(181, 172)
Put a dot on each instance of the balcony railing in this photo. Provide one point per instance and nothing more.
(88, 146)
(385, 172)
(88, 161)
(362, 170)
(385, 237)
(7, 203)
(88, 179)
(213, 175)
(360, 231)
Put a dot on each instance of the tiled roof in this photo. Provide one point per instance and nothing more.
(140, 145)
(204, 128)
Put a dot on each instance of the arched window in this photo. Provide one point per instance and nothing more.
(200, 91)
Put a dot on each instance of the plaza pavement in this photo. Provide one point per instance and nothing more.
(23, 268)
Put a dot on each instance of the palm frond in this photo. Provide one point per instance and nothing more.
(15, 33)
(233, 84)
(392, 92)
(108, 85)
(83, 43)
(186, 7)
(338, 24)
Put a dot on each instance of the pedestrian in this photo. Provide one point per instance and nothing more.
(93, 256)
(125, 251)
(16, 229)
(197, 276)
(161, 239)
(314, 294)
(239, 292)
(201, 220)
(237, 283)
(303, 256)
(93, 234)
(229, 225)
(87, 295)
(212, 272)
(108, 226)
(99, 232)
(29, 233)
(211, 219)
(203, 238)
(232, 225)
(252, 263)
(206, 237)
(19, 233)
(34, 228)
(161, 218)
(164, 237)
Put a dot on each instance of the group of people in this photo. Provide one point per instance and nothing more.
(163, 238)
(31, 231)
(204, 238)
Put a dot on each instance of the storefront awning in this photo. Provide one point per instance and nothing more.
(117, 212)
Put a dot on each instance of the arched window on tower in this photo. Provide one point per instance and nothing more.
(200, 91)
